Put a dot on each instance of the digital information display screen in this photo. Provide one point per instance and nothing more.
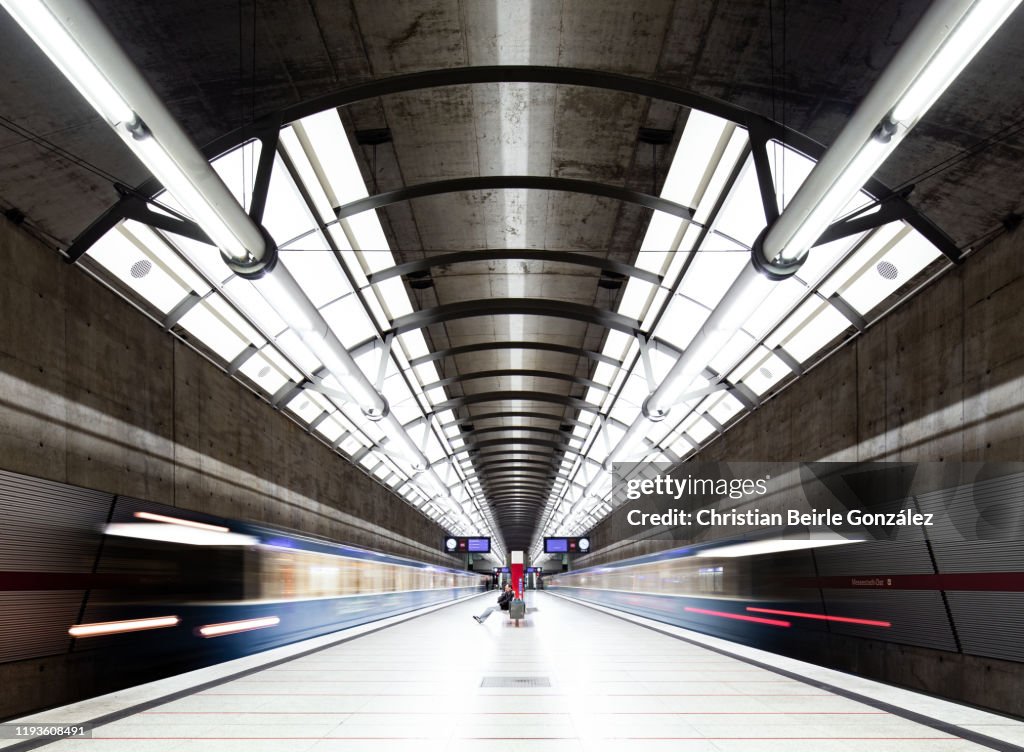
(461, 545)
(556, 545)
(566, 545)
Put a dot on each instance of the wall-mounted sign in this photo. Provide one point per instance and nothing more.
(460, 545)
(566, 545)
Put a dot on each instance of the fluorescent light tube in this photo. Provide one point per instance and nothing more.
(98, 629)
(50, 35)
(969, 36)
(948, 35)
(777, 545)
(178, 534)
(84, 50)
(840, 193)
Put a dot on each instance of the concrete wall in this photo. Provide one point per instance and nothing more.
(94, 394)
(941, 379)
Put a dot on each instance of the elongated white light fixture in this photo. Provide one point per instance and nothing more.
(773, 546)
(169, 533)
(941, 45)
(100, 628)
(945, 39)
(76, 40)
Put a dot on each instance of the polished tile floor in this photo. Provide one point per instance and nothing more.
(613, 686)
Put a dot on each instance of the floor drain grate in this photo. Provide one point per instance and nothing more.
(513, 682)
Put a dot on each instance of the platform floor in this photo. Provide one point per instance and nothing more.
(614, 685)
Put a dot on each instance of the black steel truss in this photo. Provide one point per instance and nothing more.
(500, 373)
(518, 345)
(509, 306)
(432, 261)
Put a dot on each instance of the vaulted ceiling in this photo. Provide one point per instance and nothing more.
(221, 65)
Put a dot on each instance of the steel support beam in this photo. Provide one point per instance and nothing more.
(516, 414)
(509, 306)
(500, 373)
(507, 254)
(541, 346)
(512, 182)
(477, 399)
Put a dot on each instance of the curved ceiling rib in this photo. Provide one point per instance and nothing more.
(555, 418)
(556, 399)
(513, 182)
(508, 372)
(519, 345)
(512, 473)
(433, 261)
(511, 306)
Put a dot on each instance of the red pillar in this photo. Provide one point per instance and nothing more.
(517, 572)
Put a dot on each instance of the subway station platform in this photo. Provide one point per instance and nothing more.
(570, 677)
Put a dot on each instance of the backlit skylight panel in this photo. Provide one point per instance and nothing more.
(823, 258)
(393, 298)
(661, 237)
(742, 215)
(138, 269)
(264, 371)
(331, 154)
(208, 325)
(341, 242)
(286, 215)
(809, 329)
(734, 350)
(711, 187)
(350, 445)
(365, 230)
(159, 249)
(715, 268)
(304, 407)
(653, 310)
(721, 406)
(882, 275)
(348, 321)
(237, 168)
(330, 429)
(242, 293)
(760, 371)
(605, 373)
(783, 297)
(789, 170)
(635, 390)
(682, 320)
(635, 298)
(697, 148)
(205, 258)
(295, 349)
(317, 271)
(306, 174)
(869, 252)
(615, 344)
(697, 428)
(414, 344)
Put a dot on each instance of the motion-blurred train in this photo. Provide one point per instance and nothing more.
(177, 590)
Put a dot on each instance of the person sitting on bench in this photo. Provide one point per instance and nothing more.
(503, 600)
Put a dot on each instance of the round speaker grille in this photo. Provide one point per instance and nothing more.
(887, 270)
(141, 268)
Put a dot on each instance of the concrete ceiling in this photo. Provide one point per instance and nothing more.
(221, 64)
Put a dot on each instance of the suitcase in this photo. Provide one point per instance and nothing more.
(517, 610)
